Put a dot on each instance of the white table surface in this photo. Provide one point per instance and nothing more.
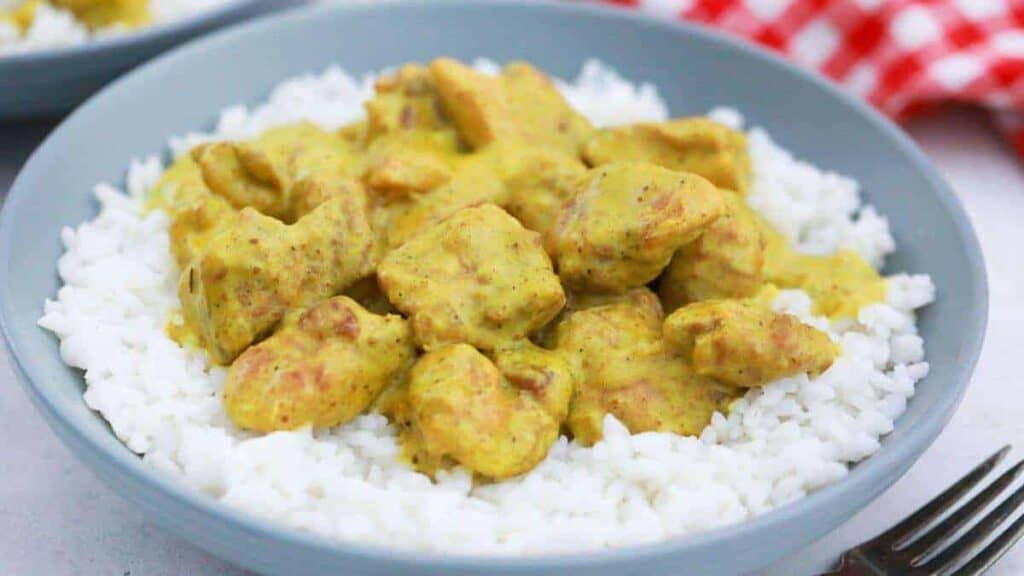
(56, 518)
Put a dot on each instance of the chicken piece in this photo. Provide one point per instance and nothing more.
(538, 183)
(465, 410)
(249, 274)
(726, 261)
(244, 176)
(181, 183)
(474, 182)
(104, 13)
(478, 277)
(405, 101)
(318, 164)
(626, 221)
(545, 374)
(576, 301)
(408, 171)
(195, 222)
(625, 370)
(323, 366)
(283, 173)
(521, 103)
(744, 343)
(642, 297)
(394, 403)
(313, 190)
(697, 145)
(196, 214)
(411, 162)
(411, 146)
(354, 133)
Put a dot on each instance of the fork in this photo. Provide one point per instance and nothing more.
(911, 548)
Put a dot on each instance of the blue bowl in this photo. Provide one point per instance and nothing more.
(52, 81)
(695, 70)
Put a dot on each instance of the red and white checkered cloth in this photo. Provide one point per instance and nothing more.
(904, 56)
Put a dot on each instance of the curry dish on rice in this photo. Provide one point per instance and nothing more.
(94, 14)
(478, 263)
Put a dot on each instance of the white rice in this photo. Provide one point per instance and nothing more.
(778, 444)
(55, 27)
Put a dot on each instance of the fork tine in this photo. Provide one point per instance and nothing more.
(900, 533)
(976, 535)
(994, 551)
(940, 535)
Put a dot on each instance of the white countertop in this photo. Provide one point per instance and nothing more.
(56, 518)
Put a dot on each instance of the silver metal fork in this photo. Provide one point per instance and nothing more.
(915, 548)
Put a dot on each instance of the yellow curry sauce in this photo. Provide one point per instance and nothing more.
(474, 260)
(839, 284)
(21, 16)
(94, 14)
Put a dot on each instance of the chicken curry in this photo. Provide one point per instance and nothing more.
(94, 14)
(478, 263)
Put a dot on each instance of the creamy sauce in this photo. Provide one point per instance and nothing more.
(839, 284)
(394, 403)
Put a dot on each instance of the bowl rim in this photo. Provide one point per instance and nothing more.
(98, 47)
(872, 471)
